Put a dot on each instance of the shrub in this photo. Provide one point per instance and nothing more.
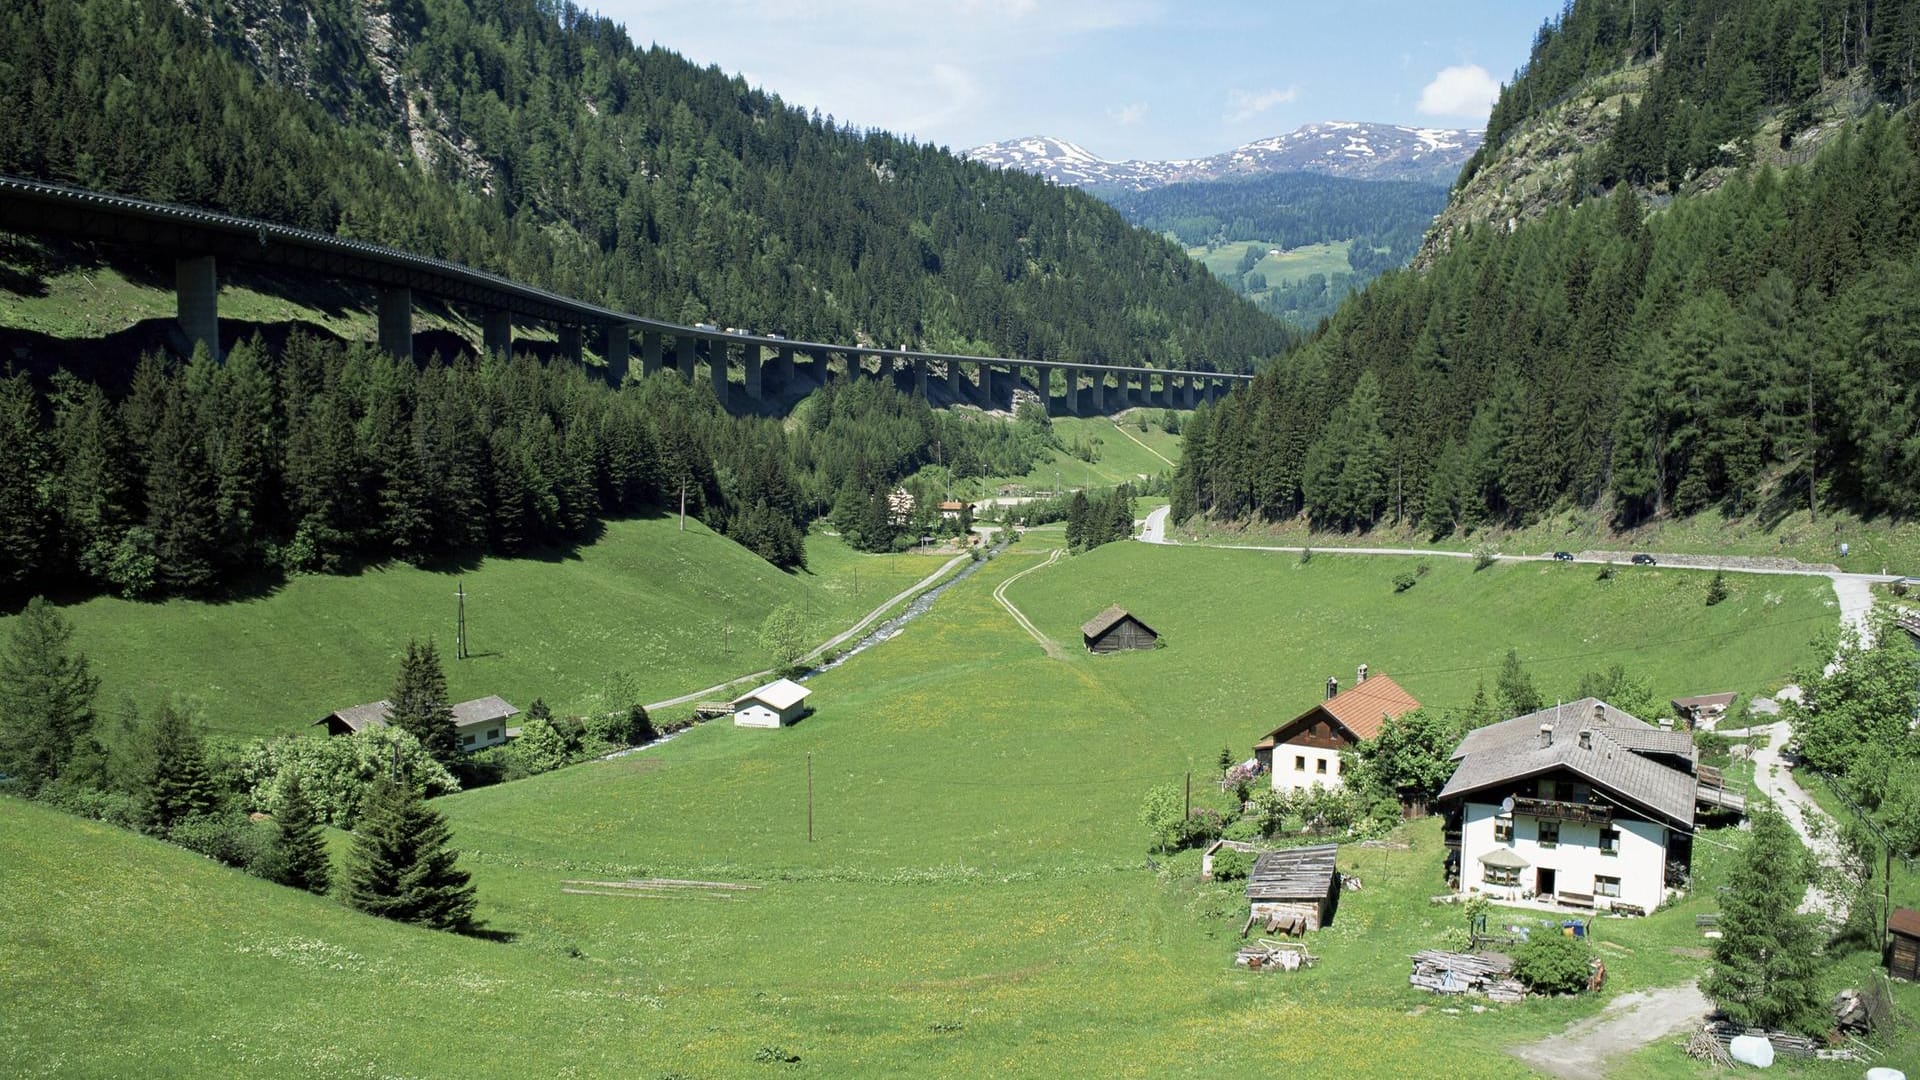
(1246, 828)
(231, 838)
(1553, 963)
(1423, 569)
(1231, 865)
(1485, 555)
(1402, 582)
(1715, 749)
(1202, 825)
(1306, 555)
(112, 807)
(1160, 814)
(1717, 588)
(335, 771)
(1606, 572)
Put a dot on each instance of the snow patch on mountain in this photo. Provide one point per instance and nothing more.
(1338, 147)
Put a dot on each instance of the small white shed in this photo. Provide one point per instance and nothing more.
(777, 704)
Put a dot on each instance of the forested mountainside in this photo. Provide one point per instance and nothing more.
(1384, 218)
(530, 138)
(1755, 345)
(1380, 222)
(327, 457)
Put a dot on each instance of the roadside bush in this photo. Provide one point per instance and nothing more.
(1231, 865)
(231, 838)
(1485, 555)
(1306, 555)
(1606, 572)
(1717, 588)
(1246, 828)
(633, 727)
(1553, 963)
(112, 807)
(1403, 582)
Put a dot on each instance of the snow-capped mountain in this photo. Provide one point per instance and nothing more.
(1340, 148)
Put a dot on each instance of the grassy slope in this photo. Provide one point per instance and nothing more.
(1875, 544)
(1119, 458)
(973, 902)
(645, 599)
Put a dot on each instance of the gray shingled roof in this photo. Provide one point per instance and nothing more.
(1104, 621)
(360, 717)
(1613, 762)
(482, 710)
(1302, 873)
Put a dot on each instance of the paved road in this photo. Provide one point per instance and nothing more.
(1629, 1022)
(833, 642)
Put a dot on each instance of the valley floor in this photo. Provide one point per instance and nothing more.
(974, 898)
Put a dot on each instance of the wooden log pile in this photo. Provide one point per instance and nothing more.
(1463, 973)
(1723, 1031)
(1269, 955)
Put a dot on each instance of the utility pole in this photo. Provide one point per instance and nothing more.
(460, 625)
(683, 506)
(1189, 793)
(809, 796)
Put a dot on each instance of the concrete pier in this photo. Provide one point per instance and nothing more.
(650, 355)
(717, 368)
(920, 375)
(1099, 388)
(684, 357)
(572, 344)
(750, 363)
(616, 348)
(783, 366)
(395, 308)
(496, 331)
(953, 382)
(196, 290)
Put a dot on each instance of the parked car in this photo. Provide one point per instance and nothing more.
(1563, 556)
(1643, 559)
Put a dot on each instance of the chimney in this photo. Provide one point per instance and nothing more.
(1333, 687)
(1666, 723)
(1599, 714)
(1546, 736)
(1586, 738)
(1361, 676)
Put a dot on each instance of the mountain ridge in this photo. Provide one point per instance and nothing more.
(1346, 148)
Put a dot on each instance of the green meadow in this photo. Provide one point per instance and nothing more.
(1119, 456)
(975, 897)
(672, 611)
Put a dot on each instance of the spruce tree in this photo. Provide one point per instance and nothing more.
(46, 697)
(1766, 965)
(419, 702)
(179, 783)
(400, 866)
(1515, 687)
(300, 846)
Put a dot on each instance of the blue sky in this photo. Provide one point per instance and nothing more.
(1124, 78)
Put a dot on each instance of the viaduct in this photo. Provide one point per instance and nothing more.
(201, 241)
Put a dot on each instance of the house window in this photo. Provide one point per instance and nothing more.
(1500, 875)
(1549, 834)
(1606, 886)
(1503, 830)
(1563, 790)
(1609, 841)
(1299, 763)
(1320, 765)
(466, 740)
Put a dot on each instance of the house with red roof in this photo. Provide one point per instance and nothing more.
(1305, 751)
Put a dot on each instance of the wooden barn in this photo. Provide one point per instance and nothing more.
(1903, 944)
(1294, 890)
(1115, 630)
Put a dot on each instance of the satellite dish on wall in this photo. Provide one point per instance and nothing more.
(1506, 805)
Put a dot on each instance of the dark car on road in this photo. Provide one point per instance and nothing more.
(1563, 556)
(1643, 559)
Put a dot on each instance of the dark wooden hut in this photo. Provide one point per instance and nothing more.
(1115, 629)
(1903, 944)
(1298, 887)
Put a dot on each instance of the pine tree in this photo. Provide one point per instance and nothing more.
(1514, 688)
(25, 540)
(400, 866)
(46, 697)
(179, 784)
(1766, 965)
(180, 499)
(299, 845)
(418, 704)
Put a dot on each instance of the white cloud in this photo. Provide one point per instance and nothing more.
(1128, 115)
(1247, 104)
(1462, 90)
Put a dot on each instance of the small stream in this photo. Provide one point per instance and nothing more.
(891, 628)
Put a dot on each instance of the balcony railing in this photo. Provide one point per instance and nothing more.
(1555, 810)
(1450, 837)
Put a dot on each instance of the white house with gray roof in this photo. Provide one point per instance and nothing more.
(1581, 804)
